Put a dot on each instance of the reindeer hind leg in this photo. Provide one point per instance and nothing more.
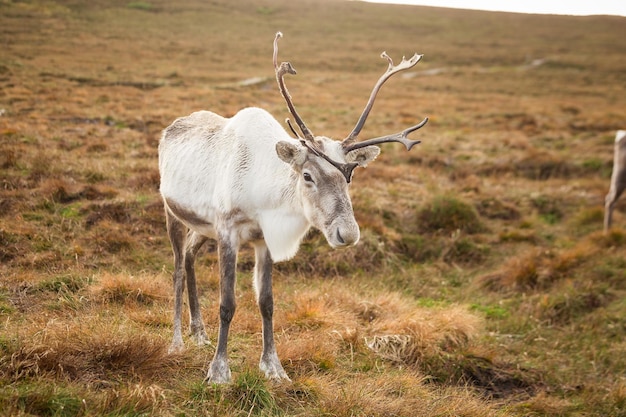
(196, 325)
(618, 178)
(616, 190)
(177, 233)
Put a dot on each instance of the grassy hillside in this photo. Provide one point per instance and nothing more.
(482, 284)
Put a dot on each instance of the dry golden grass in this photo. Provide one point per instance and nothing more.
(482, 284)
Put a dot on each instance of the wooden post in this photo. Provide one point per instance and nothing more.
(618, 179)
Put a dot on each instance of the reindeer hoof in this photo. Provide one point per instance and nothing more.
(273, 370)
(201, 339)
(219, 373)
(176, 346)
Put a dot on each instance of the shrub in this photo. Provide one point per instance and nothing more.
(448, 214)
(418, 248)
(517, 273)
(568, 304)
(465, 251)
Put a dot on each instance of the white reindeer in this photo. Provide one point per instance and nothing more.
(245, 179)
(618, 178)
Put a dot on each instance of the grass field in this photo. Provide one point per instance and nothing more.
(482, 285)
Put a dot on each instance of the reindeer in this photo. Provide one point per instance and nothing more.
(618, 178)
(245, 179)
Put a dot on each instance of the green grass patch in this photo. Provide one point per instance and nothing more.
(141, 5)
(67, 283)
(491, 311)
(52, 400)
(448, 214)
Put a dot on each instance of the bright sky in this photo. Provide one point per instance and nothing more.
(572, 7)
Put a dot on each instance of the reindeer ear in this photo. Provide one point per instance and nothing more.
(363, 156)
(291, 153)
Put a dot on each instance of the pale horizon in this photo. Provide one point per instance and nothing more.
(573, 8)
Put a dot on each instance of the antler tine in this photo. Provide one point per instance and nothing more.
(396, 137)
(286, 67)
(292, 129)
(405, 64)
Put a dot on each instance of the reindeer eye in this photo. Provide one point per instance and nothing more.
(307, 177)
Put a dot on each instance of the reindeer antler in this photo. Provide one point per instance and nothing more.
(308, 140)
(349, 144)
(286, 67)
(400, 137)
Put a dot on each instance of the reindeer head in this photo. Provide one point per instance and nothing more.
(325, 166)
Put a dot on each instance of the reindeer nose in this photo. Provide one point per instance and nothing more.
(349, 237)
(339, 238)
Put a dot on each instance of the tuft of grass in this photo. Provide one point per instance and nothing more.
(141, 5)
(465, 251)
(69, 283)
(41, 400)
(82, 355)
(56, 190)
(419, 248)
(111, 237)
(410, 338)
(41, 167)
(517, 273)
(128, 289)
(250, 394)
(312, 353)
(448, 214)
(570, 303)
(308, 313)
(611, 270)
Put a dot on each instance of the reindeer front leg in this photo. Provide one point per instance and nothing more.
(227, 247)
(269, 364)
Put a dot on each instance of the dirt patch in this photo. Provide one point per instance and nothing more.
(498, 381)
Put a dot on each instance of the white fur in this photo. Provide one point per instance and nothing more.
(215, 168)
(618, 178)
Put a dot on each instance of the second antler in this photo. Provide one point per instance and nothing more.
(350, 144)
